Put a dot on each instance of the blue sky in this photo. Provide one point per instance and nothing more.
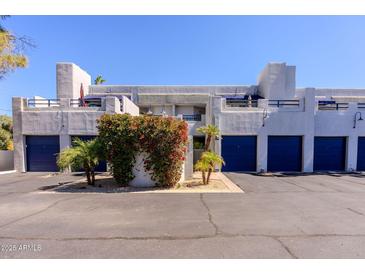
(197, 50)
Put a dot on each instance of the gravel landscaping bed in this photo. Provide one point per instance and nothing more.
(105, 183)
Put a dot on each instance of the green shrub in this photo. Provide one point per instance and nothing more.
(6, 142)
(6, 133)
(198, 145)
(206, 164)
(163, 139)
(211, 132)
(84, 154)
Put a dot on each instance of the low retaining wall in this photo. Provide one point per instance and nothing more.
(143, 178)
(6, 160)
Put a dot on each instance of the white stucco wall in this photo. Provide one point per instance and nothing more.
(340, 123)
(60, 122)
(297, 122)
(63, 120)
(157, 110)
(69, 79)
(142, 178)
(277, 81)
(6, 160)
(130, 107)
(184, 110)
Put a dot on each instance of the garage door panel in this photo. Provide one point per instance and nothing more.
(42, 153)
(329, 153)
(239, 153)
(284, 153)
(361, 154)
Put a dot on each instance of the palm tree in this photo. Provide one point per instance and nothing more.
(210, 132)
(84, 154)
(99, 80)
(206, 164)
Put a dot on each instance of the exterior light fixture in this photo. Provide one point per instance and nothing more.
(357, 119)
(265, 115)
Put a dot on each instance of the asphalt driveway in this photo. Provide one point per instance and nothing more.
(313, 216)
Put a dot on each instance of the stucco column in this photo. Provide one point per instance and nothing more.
(66, 102)
(352, 141)
(65, 141)
(173, 107)
(262, 151)
(18, 138)
(217, 143)
(351, 158)
(308, 139)
(308, 152)
(188, 164)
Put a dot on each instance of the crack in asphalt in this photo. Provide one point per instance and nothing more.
(210, 217)
(37, 212)
(287, 249)
(218, 233)
(355, 211)
(347, 180)
(169, 238)
(294, 184)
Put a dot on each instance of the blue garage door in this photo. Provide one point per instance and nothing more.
(361, 154)
(329, 153)
(42, 153)
(284, 153)
(102, 164)
(239, 153)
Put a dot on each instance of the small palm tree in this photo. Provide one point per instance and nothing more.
(210, 132)
(207, 163)
(84, 154)
(99, 80)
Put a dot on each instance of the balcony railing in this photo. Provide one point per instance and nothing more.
(284, 103)
(35, 103)
(332, 105)
(75, 102)
(360, 105)
(241, 103)
(87, 102)
(192, 117)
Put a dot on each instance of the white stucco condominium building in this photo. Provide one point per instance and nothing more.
(271, 126)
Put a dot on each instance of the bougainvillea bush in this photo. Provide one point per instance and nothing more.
(162, 139)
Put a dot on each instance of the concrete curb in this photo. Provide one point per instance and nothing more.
(231, 186)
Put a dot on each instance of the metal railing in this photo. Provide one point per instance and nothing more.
(284, 103)
(43, 103)
(87, 103)
(192, 117)
(332, 105)
(75, 102)
(360, 105)
(241, 103)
